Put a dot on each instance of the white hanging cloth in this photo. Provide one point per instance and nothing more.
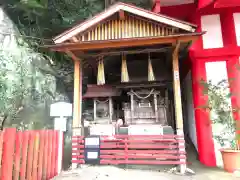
(124, 72)
(151, 76)
(101, 73)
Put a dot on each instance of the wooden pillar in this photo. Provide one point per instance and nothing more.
(110, 110)
(76, 102)
(156, 107)
(77, 124)
(178, 104)
(177, 89)
(94, 109)
(132, 107)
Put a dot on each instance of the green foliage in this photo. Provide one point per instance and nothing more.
(22, 89)
(219, 105)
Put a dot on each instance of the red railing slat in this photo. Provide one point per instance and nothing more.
(35, 156)
(1, 149)
(50, 138)
(56, 155)
(8, 154)
(24, 155)
(41, 155)
(53, 154)
(30, 155)
(134, 149)
(45, 155)
(18, 148)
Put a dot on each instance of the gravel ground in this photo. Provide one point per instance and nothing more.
(116, 173)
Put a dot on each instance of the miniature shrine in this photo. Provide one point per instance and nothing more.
(134, 58)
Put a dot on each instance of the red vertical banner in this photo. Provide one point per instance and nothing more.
(18, 148)
(30, 155)
(8, 152)
(35, 156)
(1, 148)
(41, 154)
(50, 136)
(24, 155)
(45, 155)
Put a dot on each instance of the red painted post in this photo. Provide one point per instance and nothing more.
(8, 152)
(45, 155)
(41, 155)
(1, 149)
(18, 148)
(35, 156)
(24, 155)
(30, 155)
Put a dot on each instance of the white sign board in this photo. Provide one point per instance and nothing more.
(92, 141)
(61, 109)
(60, 124)
(145, 130)
(102, 130)
(92, 155)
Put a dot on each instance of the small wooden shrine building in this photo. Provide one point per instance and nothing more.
(130, 50)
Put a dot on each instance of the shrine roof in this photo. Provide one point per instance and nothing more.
(142, 13)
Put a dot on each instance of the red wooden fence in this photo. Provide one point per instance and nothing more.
(129, 149)
(28, 155)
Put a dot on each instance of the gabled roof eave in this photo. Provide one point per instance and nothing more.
(128, 8)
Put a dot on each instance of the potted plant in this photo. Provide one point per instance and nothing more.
(224, 126)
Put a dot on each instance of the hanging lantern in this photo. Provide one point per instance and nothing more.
(101, 74)
(151, 76)
(124, 75)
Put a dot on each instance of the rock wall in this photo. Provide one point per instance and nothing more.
(23, 67)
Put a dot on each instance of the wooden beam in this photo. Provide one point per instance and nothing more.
(74, 39)
(177, 88)
(77, 102)
(137, 42)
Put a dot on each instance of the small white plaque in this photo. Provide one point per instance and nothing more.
(92, 141)
(92, 155)
(176, 75)
(61, 109)
(145, 130)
